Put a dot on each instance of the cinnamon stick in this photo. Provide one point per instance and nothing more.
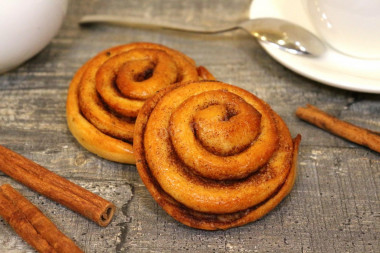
(56, 187)
(339, 127)
(31, 224)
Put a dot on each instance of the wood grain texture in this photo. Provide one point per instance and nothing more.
(334, 206)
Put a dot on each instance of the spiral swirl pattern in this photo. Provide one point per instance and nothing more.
(107, 93)
(214, 156)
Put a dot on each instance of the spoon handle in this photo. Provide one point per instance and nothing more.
(115, 20)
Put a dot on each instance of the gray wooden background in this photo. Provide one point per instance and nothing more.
(334, 206)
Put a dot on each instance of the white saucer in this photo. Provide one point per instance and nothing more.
(333, 68)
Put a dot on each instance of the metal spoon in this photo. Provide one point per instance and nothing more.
(276, 32)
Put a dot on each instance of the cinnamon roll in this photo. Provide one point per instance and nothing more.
(213, 155)
(108, 91)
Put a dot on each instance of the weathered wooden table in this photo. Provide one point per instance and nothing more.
(334, 206)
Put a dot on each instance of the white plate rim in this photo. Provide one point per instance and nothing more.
(333, 69)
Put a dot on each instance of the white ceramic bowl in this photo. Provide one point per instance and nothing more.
(350, 26)
(26, 27)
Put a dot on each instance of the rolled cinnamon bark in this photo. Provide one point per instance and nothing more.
(56, 187)
(339, 127)
(107, 93)
(31, 224)
(212, 155)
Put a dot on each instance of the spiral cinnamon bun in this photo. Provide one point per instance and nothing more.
(213, 155)
(107, 93)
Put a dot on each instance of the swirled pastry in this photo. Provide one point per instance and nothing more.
(213, 155)
(107, 93)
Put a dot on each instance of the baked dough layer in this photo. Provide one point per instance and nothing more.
(108, 91)
(198, 183)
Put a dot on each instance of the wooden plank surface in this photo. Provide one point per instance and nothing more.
(334, 206)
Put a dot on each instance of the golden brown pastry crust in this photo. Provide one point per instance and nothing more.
(181, 172)
(107, 93)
